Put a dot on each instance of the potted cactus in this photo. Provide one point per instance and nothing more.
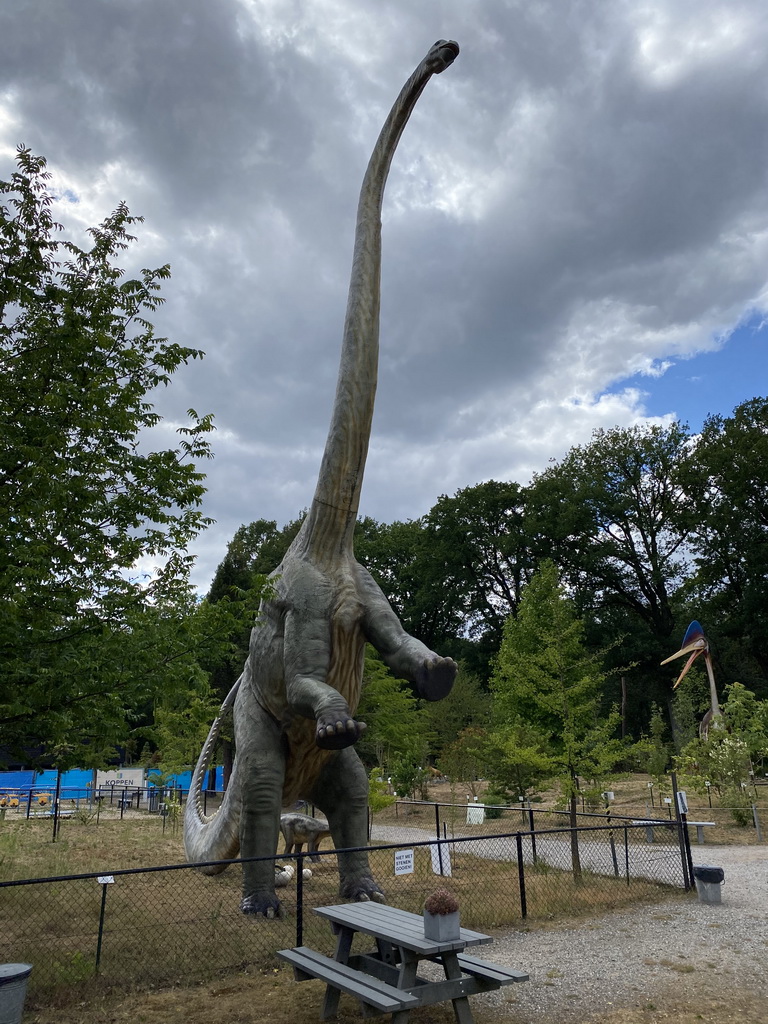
(441, 916)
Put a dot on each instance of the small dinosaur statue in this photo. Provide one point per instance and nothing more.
(295, 700)
(299, 829)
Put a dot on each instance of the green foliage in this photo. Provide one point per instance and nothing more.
(408, 775)
(517, 759)
(547, 679)
(82, 632)
(468, 705)
(725, 758)
(465, 759)
(651, 753)
(378, 797)
(397, 724)
(727, 472)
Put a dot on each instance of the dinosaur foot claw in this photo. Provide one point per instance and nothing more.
(268, 906)
(362, 890)
(339, 733)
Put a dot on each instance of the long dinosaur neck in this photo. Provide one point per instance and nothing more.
(330, 524)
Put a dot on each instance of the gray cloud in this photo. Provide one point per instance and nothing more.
(582, 195)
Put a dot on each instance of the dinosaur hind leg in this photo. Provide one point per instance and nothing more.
(341, 793)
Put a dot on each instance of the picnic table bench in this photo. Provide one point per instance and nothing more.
(649, 826)
(386, 980)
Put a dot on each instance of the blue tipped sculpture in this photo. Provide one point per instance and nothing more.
(695, 645)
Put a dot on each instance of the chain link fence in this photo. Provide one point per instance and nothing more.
(174, 925)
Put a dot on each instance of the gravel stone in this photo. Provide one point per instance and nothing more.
(640, 957)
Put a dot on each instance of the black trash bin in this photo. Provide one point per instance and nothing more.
(708, 881)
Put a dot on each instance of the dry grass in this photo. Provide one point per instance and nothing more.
(632, 798)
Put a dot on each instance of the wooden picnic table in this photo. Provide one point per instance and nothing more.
(386, 980)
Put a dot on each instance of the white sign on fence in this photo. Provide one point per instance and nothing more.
(475, 814)
(105, 880)
(403, 862)
(132, 778)
(441, 857)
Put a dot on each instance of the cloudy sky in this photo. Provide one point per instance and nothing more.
(575, 225)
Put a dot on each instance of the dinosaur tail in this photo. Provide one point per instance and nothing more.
(213, 837)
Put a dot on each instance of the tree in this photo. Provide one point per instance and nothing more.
(477, 559)
(465, 758)
(726, 758)
(81, 502)
(546, 678)
(728, 473)
(468, 705)
(397, 726)
(616, 517)
(517, 758)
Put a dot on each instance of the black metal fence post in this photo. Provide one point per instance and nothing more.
(104, 887)
(682, 836)
(300, 900)
(521, 875)
(626, 852)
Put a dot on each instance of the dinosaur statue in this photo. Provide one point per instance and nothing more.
(299, 829)
(295, 700)
(695, 644)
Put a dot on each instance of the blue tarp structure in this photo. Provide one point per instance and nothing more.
(76, 783)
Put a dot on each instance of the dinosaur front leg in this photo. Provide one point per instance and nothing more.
(407, 657)
(261, 762)
(307, 659)
(341, 793)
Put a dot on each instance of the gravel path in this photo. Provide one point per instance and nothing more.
(642, 956)
(647, 954)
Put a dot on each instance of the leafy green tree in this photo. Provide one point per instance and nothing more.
(467, 705)
(728, 480)
(464, 759)
(517, 758)
(81, 502)
(397, 726)
(476, 561)
(409, 776)
(546, 677)
(616, 516)
(726, 758)
(652, 753)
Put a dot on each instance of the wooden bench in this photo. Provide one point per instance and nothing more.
(489, 971)
(649, 826)
(373, 994)
(700, 826)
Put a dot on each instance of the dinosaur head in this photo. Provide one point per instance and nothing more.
(441, 55)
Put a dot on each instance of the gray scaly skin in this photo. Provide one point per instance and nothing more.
(295, 701)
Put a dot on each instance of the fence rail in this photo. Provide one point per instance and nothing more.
(171, 925)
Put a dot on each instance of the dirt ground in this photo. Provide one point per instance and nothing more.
(275, 998)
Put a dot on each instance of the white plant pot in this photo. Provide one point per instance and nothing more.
(441, 927)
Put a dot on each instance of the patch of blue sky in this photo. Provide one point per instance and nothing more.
(709, 382)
